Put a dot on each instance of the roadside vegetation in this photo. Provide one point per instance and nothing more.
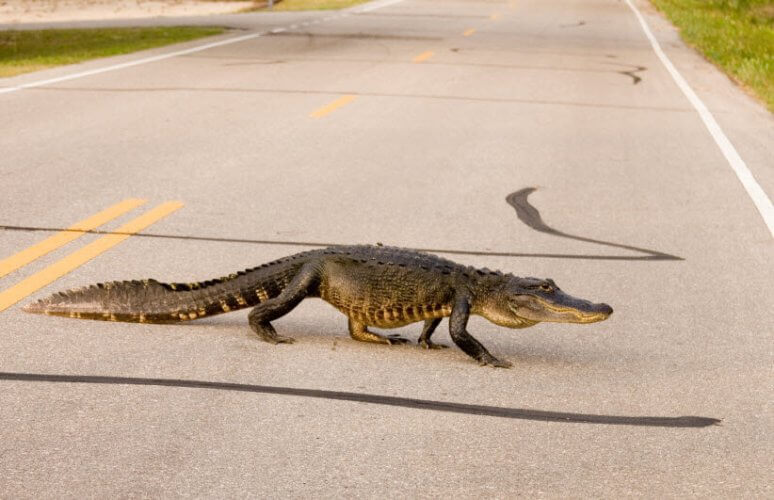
(24, 51)
(288, 5)
(737, 35)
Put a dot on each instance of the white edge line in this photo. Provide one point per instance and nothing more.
(374, 5)
(754, 190)
(198, 48)
(129, 64)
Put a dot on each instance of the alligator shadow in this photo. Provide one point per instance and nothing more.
(419, 404)
(530, 216)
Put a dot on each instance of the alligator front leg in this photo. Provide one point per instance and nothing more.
(259, 318)
(427, 331)
(458, 322)
(359, 331)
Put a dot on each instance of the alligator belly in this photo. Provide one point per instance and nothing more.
(393, 316)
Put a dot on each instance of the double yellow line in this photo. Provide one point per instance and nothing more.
(17, 292)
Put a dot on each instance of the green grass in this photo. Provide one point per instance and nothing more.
(24, 51)
(288, 5)
(737, 35)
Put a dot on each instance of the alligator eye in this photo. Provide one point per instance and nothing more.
(546, 287)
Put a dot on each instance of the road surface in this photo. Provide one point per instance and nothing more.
(420, 124)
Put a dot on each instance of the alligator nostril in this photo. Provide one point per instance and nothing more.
(604, 308)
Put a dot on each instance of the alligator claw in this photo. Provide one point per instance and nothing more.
(280, 339)
(492, 361)
(396, 339)
(426, 344)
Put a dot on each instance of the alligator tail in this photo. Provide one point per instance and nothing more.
(150, 301)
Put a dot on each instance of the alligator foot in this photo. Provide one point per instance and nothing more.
(490, 360)
(396, 339)
(267, 333)
(379, 339)
(358, 331)
(279, 339)
(427, 344)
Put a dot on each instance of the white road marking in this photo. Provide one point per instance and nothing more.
(375, 5)
(754, 190)
(169, 55)
(129, 64)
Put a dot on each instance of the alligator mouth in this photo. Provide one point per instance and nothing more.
(542, 310)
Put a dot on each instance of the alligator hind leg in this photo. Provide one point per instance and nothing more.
(427, 331)
(261, 315)
(359, 331)
(268, 333)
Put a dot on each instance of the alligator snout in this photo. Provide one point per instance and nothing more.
(605, 309)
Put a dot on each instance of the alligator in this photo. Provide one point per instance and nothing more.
(374, 286)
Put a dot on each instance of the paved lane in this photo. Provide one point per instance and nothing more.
(410, 125)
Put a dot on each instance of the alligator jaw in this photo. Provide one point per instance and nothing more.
(568, 310)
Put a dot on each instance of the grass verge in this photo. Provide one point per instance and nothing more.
(289, 5)
(25, 51)
(737, 35)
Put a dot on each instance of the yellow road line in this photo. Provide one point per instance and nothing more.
(76, 259)
(424, 56)
(60, 239)
(341, 101)
(469, 31)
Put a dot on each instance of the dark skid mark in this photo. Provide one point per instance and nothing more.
(318, 244)
(419, 404)
(630, 72)
(573, 25)
(635, 79)
(530, 216)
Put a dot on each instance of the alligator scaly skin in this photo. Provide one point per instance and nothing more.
(150, 301)
(385, 287)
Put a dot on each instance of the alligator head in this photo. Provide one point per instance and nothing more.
(522, 302)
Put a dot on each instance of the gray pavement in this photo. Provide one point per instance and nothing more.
(564, 96)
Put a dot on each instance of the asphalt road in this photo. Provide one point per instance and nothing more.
(409, 124)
